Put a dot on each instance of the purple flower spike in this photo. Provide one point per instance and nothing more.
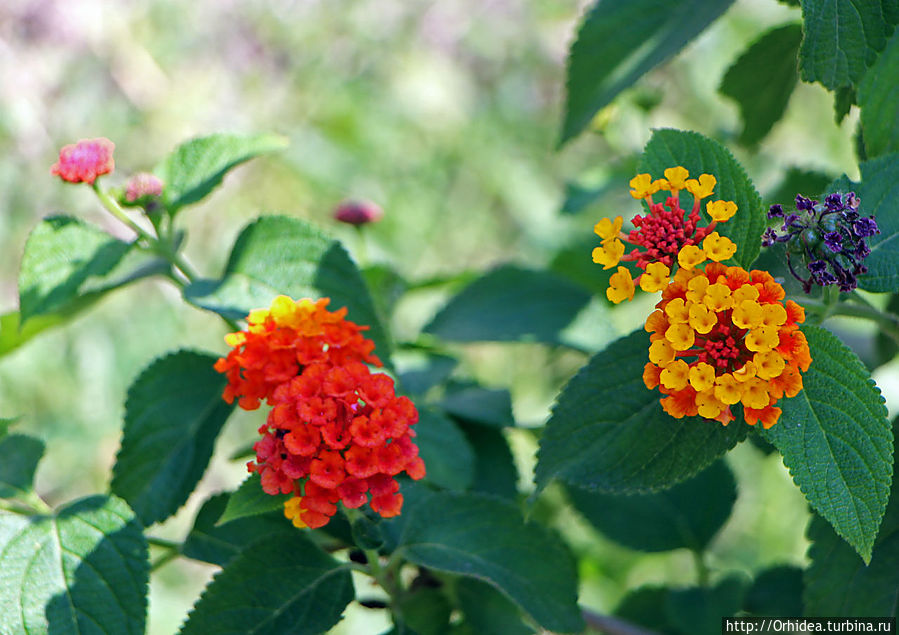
(834, 241)
(834, 202)
(865, 226)
(776, 211)
(804, 203)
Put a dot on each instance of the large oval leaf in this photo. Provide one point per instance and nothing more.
(619, 41)
(82, 570)
(172, 418)
(701, 155)
(879, 193)
(609, 432)
(281, 255)
(836, 440)
(286, 586)
(486, 538)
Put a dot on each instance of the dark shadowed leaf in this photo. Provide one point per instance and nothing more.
(445, 450)
(798, 181)
(836, 440)
(172, 418)
(487, 406)
(287, 586)
(701, 155)
(775, 592)
(494, 467)
(608, 431)
(619, 41)
(487, 611)
(486, 538)
(21, 455)
(83, 569)
(762, 80)
(508, 304)
(280, 255)
(698, 610)
(687, 515)
(879, 193)
(877, 96)
(198, 166)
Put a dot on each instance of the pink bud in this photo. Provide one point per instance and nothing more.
(142, 184)
(358, 212)
(84, 161)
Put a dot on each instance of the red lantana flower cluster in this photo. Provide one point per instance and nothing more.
(337, 432)
(84, 161)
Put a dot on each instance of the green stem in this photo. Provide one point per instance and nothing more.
(172, 550)
(702, 570)
(888, 323)
(163, 543)
(163, 560)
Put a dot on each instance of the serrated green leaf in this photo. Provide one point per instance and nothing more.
(251, 500)
(494, 467)
(82, 570)
(508, 304)
(218, 544)
(448, 457)
(775, 592)
(842, 39)
(487, 611)
(198, 166)
(487, 406)
(286, 586)
(69, 264)
(836, 441)
(837, 583)
(879, 194)
(687, 515)
(486, 538)
(21, 455)
(173, 415)
(608, 432)
(762, 80)
(701, 155)
(281, 255)
(878, 94)
(619, 41)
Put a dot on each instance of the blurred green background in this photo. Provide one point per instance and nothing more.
(444, 113)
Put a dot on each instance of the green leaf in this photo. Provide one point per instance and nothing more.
(69, 264)
(82, 570)
(426, 611)
(575, 263)
(21, 455)
(487, 406)
(494, 467)
(668, 148)
(486, 538)
(251, 500)
(448, 457)
(608, 431)
(844, 98)
(619, 41)
(218, 544)
(836, 441)
(842, 39)
(762, 80)
(877, 96)
(508, 304)
(798, 181)
(366, 531)
(837, 583)
(776, 592)
(645, 606)
(281, 255)
(879, 194)
(12, 336)
(698, 610)
(487, 611)
(436, 369)
(687, 515)
(198, 166)
(173, 415)
(286, 586)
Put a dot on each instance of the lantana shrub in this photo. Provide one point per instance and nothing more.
(396, 488)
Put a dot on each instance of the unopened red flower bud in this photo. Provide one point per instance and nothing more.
(84, 161)
(358, 212)
(142, 185)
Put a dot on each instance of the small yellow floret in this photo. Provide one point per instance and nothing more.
(681, 336)
(609, 254)
(292, 510)
(621, 286)
(707, 405)
(774, 315)
(677, 311)
(675, 374)
(755, 394)
(747, 314)
(701, 319)
(718, 297)
(718, 247)
(696, 288)
(235, 339)
(762, 339)
(608, 229)
(661, 352)
(727, 389)
(655, 277)
(677, 178)
(702, 376)
(769, 365)
(690, 256)
(703, 187)
(746, 292)
(642, 186)
(745, 373)
(656, 322)
(721, 211)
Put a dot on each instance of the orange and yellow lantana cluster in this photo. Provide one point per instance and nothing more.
(665, 236)
(336, 431)
(724, 336)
